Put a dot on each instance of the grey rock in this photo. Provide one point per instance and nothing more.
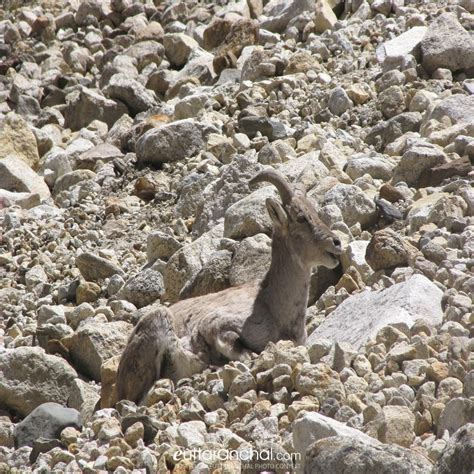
(312, 427)
(306, 169)
(30, 377)
(458, 107)
(392, 101)
(416, 159)
(339, 101)
(447, 45)
(146, 52)
(143, 289)
(351, 454)
(359, 317)
(161, 245)
(227, 189)
(104, 152)
(458, 456)
(173, 142)
(84, 398)
(131, 92)
(377, 165)
(24, 200)
(251, 260)
(213, 276)
(271, 128)
(277, 15)
(191, 434)
(68, 180)
(189, 260)
(354, 204)
(93, 343)
(17, 176)
(455, 414)
(87, 105)
(249, 216)
(386, 132)
(191, 197)
(178, 47)
(45, 421)
(93, 267)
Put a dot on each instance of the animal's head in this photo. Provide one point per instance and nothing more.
(297, 221)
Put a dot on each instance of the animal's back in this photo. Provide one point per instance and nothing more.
(234, 303)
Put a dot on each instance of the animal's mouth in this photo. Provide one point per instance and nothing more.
(334, 255)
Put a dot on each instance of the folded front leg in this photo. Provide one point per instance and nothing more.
(228, 344)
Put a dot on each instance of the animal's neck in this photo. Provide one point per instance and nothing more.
(285, 289)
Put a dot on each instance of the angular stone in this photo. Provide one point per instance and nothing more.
(387, 249)
(86, 105)
(173, 142)
(338, 454)
(396, 425)
(178, 47)
(458, 456)
(354, 204)
(415, 160)
(447, 45)
(17, 138)
(45, 421)
(17, 176)
(93, 267)
(249, 216)
(392, 53)
(359, 317)
(30, 377)
(312, 427)
(143, 289)
(94, 343)
(136, 97)
(277, 15)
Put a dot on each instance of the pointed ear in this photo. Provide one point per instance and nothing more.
(277, 213)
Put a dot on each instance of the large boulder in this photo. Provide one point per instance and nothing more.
(277, 14)
(447, 45)
(30, 377)
(393, 52)
(86, 105)
(173, 142)
(458, 456)
(338, 454)
(359, 317)
(249, 216)
(354, 204)
(93, 343)
(46, 421)
(312, 427)
(188, 261)
(131, 92)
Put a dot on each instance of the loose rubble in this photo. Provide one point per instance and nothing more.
(128, 133)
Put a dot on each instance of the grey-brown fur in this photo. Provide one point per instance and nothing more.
(234, 323)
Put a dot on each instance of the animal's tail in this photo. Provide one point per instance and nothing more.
(153, 351)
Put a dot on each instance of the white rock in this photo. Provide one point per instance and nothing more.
(312, 427)
(17, 176)
(191, 433)
(392, 53)
(359, 317)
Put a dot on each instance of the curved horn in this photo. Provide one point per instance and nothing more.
(278, 180)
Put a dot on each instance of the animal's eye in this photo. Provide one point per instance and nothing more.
(300, 218)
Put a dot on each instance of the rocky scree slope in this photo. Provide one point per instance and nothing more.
(128, 133)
